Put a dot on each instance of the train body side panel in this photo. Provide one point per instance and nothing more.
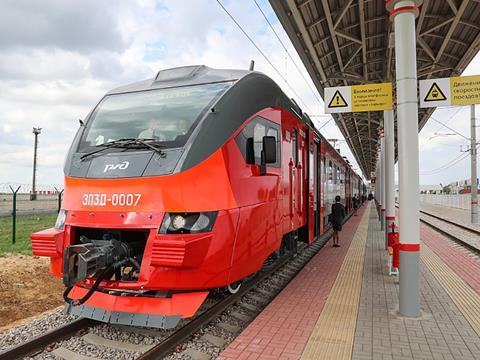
(259, 198)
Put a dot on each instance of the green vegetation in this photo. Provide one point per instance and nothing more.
(447, 189)
(26, 224)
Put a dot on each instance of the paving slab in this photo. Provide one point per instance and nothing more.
(282, 329)
(442, 331)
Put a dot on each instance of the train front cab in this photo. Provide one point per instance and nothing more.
(260, 207)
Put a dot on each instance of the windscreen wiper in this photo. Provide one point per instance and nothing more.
(125, 143)
(138, 143)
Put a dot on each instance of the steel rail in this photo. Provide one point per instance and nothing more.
(459, 241)
(464, 227)
(39, 342)
(167, 346)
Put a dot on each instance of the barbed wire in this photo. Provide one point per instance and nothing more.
(41, 189)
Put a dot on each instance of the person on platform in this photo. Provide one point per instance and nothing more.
(337, 216)
(356, 204)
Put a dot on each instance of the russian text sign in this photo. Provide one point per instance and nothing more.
(458, 90)
(358, 98)
(372, 97)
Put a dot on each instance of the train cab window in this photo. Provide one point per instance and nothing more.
(295, 147)
(167, 116)
(250, 140)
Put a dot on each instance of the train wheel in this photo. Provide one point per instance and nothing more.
(233, 288)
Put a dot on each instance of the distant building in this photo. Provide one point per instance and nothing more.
(461, 187)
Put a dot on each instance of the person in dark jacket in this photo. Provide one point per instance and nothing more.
(356, 204)
(337, 216)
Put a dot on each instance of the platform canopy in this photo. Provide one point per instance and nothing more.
(350, 42)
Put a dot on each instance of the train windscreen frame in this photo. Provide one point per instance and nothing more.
(167, 116)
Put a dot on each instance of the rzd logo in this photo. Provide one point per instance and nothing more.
(122, 166)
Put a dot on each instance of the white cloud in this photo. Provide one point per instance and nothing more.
(58, 58)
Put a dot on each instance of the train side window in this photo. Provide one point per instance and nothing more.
(250, 140)
(295, 147)
(258, 134)
(273, 131)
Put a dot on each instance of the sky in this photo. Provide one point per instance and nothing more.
(58, 58)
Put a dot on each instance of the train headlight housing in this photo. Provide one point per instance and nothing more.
(188, 223)
(60, 223)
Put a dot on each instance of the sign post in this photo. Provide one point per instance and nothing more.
(473, 173)
(403, 13)
(458, 90)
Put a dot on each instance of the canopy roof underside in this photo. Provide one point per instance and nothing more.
(350, 42)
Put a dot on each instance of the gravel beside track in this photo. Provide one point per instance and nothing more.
(29, 330)
(207, 342)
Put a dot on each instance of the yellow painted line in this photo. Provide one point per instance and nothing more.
(332, 337)
(466, 299)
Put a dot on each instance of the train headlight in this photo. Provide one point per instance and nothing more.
(60, 223)
(178, 222)
(187, 223)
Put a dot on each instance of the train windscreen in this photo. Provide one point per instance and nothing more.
(167, 116)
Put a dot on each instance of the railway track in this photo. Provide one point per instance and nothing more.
(463, 235)
(280, 273)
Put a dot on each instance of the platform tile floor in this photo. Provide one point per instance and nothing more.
(441, 333)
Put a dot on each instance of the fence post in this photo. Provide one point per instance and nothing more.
(60, 193)
(14, 214)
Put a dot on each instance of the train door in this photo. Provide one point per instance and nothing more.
(293, 179)
(316, 188)
(312, 195)
(322, 190)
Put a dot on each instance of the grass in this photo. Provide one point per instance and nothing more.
(26, 224)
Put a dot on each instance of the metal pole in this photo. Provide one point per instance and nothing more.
(378, 187)
(14, 214)
(389, 169)
(403, 13)
(473, 153)
(36, 132)
(382, 167)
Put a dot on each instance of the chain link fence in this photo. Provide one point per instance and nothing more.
(19, 199)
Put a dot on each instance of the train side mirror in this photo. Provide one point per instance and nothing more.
(269, 150)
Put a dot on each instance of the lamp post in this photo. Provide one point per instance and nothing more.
(36, 131)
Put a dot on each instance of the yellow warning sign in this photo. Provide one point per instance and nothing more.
(465, 90)
(372, 97)
(337, 101)
(435, 94)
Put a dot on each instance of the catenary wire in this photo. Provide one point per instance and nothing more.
(447, 166)
(262, 53)
(449, 128)
(288, 53)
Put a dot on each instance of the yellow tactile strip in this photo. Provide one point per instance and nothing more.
(332, 337)
(466, 299)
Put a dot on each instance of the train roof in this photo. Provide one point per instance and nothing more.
(201, 74)
(183, 76)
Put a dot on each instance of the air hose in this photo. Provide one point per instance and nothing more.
(105, 274)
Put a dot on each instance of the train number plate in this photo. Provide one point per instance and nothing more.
(111, 199)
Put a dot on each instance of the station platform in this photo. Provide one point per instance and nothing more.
(344, 305)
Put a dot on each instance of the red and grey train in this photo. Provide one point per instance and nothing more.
(185, 183)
